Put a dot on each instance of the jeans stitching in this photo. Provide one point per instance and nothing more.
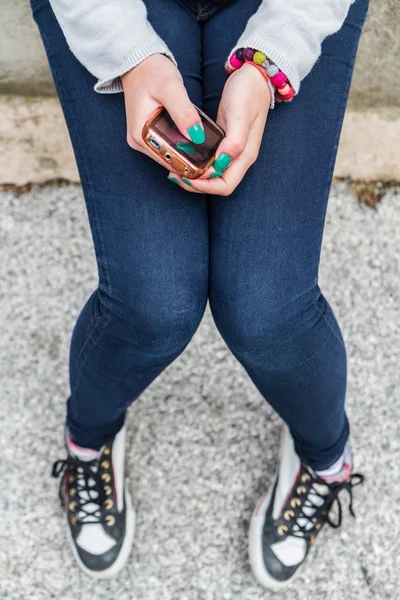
(78, 149)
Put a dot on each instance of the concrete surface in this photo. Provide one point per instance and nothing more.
(202, 443)
(23, 63)
(34, 142)
(35, 146)
(24, 70)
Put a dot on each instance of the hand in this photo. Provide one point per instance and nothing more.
(153, 83)
(242, 114)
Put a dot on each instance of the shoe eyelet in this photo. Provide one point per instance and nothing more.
(288, 514)
(106, 477)
(318, 526)
(312, 539)
(110, 520)
(301, 490)
(107, 451)
(72, 506)
(108, 504)
(282, 529)
(72, 492)
(73, 520)
(71, 479)
(305, 477)
(108, 490)
(105, 464)
(295, 502)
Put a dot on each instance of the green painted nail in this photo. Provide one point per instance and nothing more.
(222, 162)
(216, 174)
(186, 181)
(173, 179)
(186, 147)
(196, 134)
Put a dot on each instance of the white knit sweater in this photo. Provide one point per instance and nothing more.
(110, 37)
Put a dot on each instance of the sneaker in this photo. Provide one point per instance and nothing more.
(99, 512)
(288, 518)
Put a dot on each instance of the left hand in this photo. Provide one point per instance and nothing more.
(242, 114)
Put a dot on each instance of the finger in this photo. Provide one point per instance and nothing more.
(183, 113)
(237, 126)
(182, 182)
(210, 174)
(230, 179)
(225, 183)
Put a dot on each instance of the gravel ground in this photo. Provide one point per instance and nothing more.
(202, 442)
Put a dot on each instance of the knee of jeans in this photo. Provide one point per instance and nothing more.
(160, 325)
(274, 334)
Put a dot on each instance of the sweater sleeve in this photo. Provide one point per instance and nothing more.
(109, 37)
(291, 32)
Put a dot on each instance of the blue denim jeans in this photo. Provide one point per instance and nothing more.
(163, 252)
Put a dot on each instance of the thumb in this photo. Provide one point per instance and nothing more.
(237, 126)
(176, 101)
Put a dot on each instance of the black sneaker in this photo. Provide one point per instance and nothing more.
(287, 519)
(99, 511)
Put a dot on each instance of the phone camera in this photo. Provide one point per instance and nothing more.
(168, 156)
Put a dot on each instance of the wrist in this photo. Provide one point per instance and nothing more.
(263, 82)
(145, 64)
(280, 86)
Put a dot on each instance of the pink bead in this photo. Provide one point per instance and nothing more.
(279, 79)
(285, 89)
(289, 95)
(235, 62)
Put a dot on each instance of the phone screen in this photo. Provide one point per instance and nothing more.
(198, 154)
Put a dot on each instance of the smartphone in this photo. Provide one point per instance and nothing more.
(161, 135)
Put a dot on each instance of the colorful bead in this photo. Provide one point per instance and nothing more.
(272, 70)
(239, 53)
(284, 89)
(289, 95)
(228, 67)
(279, 79)
(259, 57)
(234, 62)
(248, 53)
(280, 88)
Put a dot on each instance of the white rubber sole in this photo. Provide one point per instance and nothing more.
(125, 549)
(255, 547)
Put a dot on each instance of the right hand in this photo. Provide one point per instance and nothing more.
(153, 83)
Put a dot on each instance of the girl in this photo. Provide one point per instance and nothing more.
(166, 245)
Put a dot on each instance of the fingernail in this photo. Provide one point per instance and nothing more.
(186, 147)
(186, 181)
(196, 134)
(173, 179)
(216, 174)
(222, 162)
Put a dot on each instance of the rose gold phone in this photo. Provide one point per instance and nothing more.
(162, 136)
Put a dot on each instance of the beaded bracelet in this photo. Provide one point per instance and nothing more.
(284, 92)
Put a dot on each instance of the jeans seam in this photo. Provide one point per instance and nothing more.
(78, 149)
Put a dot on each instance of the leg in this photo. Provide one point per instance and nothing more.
(150, 237)
(266, 239)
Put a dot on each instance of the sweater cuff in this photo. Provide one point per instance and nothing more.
(281, 61)
(113, 85)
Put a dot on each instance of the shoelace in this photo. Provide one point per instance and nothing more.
(89, 489)
(319, 499)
